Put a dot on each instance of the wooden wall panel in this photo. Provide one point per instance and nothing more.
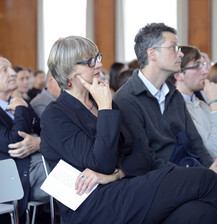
(199, 24)
(18, 32)
(104, 30)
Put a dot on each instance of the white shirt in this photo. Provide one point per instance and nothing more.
(160, 95)
(3, 105)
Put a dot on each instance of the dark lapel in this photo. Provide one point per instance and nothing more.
(4, 118)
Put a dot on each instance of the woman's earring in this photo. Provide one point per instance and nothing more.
(69, 84)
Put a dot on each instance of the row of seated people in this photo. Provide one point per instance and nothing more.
(142, 149)
(135, 158)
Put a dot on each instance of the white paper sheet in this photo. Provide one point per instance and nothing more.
(60, 184)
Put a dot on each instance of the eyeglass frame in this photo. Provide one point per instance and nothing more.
(176, 48)
(198, 66)
(89, 61)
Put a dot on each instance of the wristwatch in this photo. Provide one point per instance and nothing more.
(117, 174)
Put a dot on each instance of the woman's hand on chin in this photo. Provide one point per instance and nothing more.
(100, 92)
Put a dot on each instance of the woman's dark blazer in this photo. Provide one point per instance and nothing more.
(72, 133)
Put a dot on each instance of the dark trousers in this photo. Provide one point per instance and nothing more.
(185, 195)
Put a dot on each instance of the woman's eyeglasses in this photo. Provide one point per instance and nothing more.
(198, 66)
(91, 62)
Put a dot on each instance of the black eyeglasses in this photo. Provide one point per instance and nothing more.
(175, 48)
(198, 66)
(91, 62)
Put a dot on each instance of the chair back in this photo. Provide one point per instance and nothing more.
(47, 171)
(10, 188)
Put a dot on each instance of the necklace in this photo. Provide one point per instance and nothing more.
(91, 106)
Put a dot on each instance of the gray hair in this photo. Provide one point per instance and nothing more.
(149, 36)
(64, 55)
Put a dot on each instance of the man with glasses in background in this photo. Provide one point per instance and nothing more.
(193, 77)
(153, 109)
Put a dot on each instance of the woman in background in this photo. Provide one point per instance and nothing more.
(22, 82)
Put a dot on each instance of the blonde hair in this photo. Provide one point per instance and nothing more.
(64, 55)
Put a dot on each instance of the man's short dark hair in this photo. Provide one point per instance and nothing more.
(191, 53)
(148, 37)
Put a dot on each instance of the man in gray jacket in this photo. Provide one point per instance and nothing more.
(154, 110)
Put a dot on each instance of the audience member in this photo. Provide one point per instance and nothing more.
(50, 93)
(193, 78)
(133, 64)
(31, 77)
(81, 128)
(104, 76)
(124, 76)
(22, 82)
(154, 110)
(16, 120)
(38, 84)
(200, 94)
(212, 76)
(115, 69)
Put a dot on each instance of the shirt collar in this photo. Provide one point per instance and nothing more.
(152, 89)
(189, 98)
(3, 104)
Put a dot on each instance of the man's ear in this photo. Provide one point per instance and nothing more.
(151, 54)
(179, 76)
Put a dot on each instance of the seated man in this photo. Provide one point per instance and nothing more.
(154, 110)
(38, 84)
(50, 93)
(15, 121)
(193, 78)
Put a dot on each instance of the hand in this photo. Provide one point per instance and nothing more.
(26, 147)
(14, 102)
(100, 92)
(214, 166)
(88, 178)
(210, 90)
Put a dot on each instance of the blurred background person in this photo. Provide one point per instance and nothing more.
(115, 69)
(133, 64)
(124, 76)
(22, 82)
(212, 76)
(49, 93)
(38, 84)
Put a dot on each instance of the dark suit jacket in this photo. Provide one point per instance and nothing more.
(9, 134)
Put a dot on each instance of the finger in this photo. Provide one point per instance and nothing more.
(92, 183)
(206, 81)
(83, 82)
(80, 180)
(17, 153)
(22, 134)
(95, 81)
(9, 107)
(84, 186)
(15, 145)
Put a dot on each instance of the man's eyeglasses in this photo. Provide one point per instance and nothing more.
(91, 62)
(175, 48)
(198, 66)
